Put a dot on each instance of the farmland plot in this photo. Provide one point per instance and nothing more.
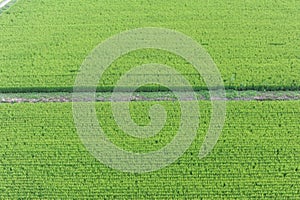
(255, 44)
(257, 155)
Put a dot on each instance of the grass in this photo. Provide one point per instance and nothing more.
(257, 155)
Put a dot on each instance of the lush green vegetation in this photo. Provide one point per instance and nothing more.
(255, 44)
(257, 155)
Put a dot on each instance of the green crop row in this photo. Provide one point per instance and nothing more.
(254, 44)
(257, 155)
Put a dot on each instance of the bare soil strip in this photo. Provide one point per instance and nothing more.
(148, 96)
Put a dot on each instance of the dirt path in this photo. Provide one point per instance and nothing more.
(62, 99)
(149, 96)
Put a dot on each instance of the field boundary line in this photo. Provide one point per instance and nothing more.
(231, 95)
(4, 3)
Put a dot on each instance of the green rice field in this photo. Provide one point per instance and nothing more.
(255, 45)
(257, 155)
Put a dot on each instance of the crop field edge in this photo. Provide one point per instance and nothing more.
(144, 89)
